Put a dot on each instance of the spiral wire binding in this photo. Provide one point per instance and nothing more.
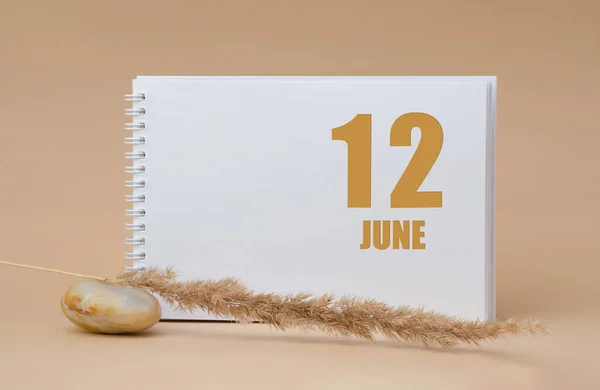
(137, 183)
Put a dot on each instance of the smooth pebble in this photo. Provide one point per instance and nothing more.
(102, 307)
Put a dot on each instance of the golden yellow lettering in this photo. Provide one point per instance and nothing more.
(366, 244)
(357, 135)
(406, 192)
(401, 234)
(417, 234)
(381, 239)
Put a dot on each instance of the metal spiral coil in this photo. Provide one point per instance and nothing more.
(135, 198)
(135, 140)
(135, 97)
(135, 212)
(139, 155)
(137, 241)
(135, 126)
(135, 169)
(137, 183)
(135, 255)
(136, 227)
(135, 111)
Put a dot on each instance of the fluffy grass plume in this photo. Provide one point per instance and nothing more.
(228, 298)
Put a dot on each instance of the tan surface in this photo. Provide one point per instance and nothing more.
(64, 67)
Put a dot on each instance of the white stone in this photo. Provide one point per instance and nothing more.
(103, 307)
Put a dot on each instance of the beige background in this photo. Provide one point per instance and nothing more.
(64, 67)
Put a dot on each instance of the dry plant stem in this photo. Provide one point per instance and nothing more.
(51, 270)
(346, 316)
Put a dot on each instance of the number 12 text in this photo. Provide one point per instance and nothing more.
(357, 134)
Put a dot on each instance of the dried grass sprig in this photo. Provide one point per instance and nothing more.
(347, 316)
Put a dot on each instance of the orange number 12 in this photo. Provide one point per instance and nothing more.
(406, 194)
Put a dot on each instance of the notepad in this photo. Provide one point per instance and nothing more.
(379, 187)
